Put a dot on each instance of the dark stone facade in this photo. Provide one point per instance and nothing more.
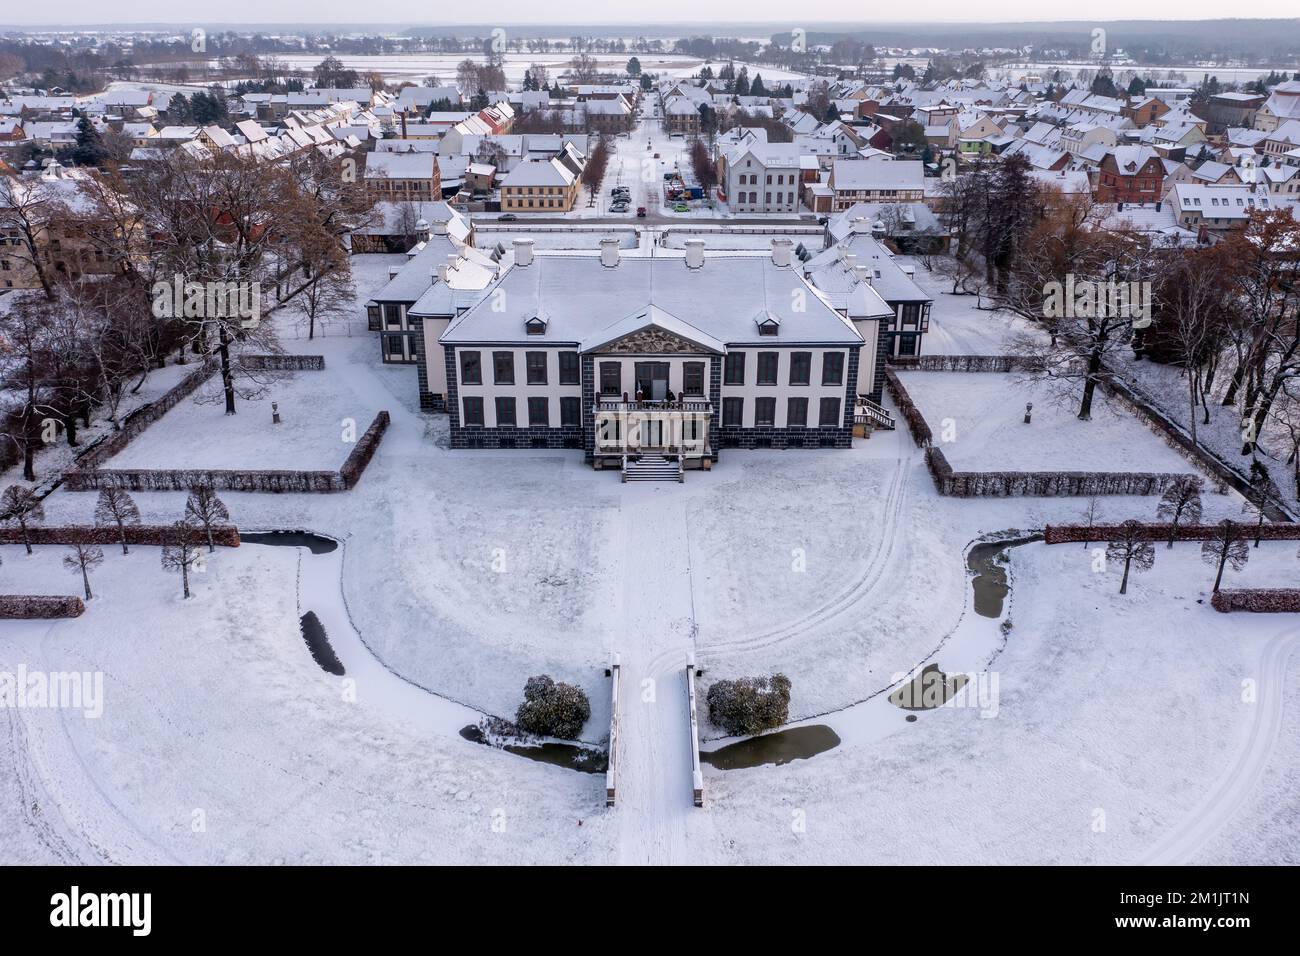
(584, 436)
(428, 401)
(478, 436)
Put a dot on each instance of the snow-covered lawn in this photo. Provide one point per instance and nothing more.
(466, 572)
(1116, 720)
(320, 419)
(958, 326)
(983, 416)
(221, 740)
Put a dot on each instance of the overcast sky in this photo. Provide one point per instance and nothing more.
(412, 12)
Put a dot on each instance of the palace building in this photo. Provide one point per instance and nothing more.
(663, 355)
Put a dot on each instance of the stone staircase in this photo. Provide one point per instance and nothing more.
(652, 468)
(866, 412)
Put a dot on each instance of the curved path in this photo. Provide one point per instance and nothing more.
(1241, 778)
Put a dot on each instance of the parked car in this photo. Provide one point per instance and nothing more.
(681, 207)
(507, 217)
(640, 212)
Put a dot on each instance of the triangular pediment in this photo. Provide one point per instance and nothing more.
(651, 331)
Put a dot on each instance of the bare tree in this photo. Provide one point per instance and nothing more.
(20, 506)
(1227, 546)
(330, 293)
(706, 173)
(1091, 512)
(1091, 319)
(1287, 414)
(1181, 499)
(593, 174)
(230, 227)
(582, 68)
(204, 508)
(25, 210)
(1196, 294)
(26, 329)
(1268, 252)
(1133, 549)
(182, 551)
(1262, 496)
(115, 506)
(82, 557)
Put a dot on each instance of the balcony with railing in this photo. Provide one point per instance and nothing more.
(666, 428)
(696, 406)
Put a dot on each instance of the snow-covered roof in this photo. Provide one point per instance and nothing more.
(877, 174)
(381, 165)
(585, 298)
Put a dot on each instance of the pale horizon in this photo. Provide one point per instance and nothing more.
(249, 13)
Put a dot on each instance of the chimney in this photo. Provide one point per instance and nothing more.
(694, 253)
(609, 253)
(445, 268)
(781, 253)
(863, 274)
(524, 252)
(439, 227)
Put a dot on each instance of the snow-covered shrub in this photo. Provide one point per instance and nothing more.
(552, 709)
(750, 705)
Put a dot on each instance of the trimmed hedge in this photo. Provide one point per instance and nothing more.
(171, 479)
(916, 423)
(283, 363)
(1006, 484)
(272, 482)
(963, 363)
(366, 447)
(227, 536)
(31, 606)
(1155, 531)
(1257, 600)
(1041, 484)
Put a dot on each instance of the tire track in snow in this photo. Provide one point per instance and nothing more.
(847, 600)
(1241, 778)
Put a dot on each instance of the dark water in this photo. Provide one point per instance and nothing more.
(315, 543)
(797, 743)
(313, 632)
(927, 690)
(990, 580)
(569, 756)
